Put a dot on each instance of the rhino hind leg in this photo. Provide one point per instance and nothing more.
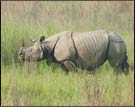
(117, 54)
(68, 66)
(117, 69)
(125, 66)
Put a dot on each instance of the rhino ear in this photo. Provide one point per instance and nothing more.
(42, 38)
(33, 40)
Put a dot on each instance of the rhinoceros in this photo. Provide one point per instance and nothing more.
(84, 50)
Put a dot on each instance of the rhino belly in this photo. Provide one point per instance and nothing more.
(91, 48)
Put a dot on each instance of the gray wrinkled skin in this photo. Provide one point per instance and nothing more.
(85, 50)
(33, 53)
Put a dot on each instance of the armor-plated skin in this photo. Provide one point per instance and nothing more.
(85, 50)
(91, 48)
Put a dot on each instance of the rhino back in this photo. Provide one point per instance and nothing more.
(91, 48)
(51, 41)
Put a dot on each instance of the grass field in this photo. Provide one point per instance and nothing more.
(39, 84)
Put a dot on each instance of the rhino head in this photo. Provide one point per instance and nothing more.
(33, 53)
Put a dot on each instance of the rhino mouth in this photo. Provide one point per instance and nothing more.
(22, 57)
(27, 58)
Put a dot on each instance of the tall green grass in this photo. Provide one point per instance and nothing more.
(39, 84)
(42, 86)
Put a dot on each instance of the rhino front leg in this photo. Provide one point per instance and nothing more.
(68, 66)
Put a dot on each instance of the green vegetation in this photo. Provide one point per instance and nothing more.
(39, 84)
